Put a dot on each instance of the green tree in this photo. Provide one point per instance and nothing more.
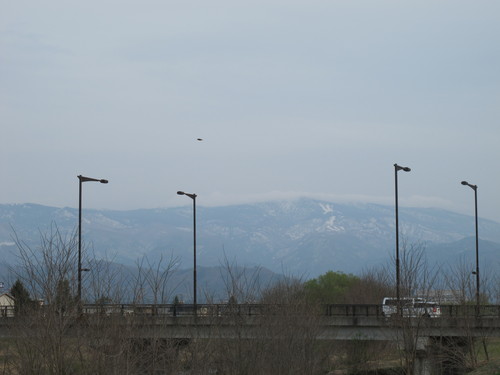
(331, 287)
(22, 300)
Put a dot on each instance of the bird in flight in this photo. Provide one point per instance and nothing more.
(199, 139)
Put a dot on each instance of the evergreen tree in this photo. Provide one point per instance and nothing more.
(22, 300)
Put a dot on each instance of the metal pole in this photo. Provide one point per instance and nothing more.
(397, 237)
(194, 254)
(79, 293)
(193, 197)
(398, 268)
(477, 254)
(81, 180)
(474, 187)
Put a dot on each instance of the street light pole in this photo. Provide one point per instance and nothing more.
(193, 197)
(396, 169)
(474, 187)
(82, 179)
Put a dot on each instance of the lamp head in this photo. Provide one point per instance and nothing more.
(473, 187)
(86, 179)
(400, 168)
(190, 195)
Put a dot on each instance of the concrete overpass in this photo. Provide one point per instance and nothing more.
(456, 326)
(334, 322)
(337, 322)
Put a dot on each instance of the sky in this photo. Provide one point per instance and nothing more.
(291, 98)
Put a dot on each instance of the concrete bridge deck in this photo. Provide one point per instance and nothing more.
(456, 325)
(333, 322)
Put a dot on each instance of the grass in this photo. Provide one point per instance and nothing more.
(491, 367)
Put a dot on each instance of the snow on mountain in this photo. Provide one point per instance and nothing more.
(304, 236)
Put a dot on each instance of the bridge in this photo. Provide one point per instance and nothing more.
(334, 322)
(457, 325)
(425, 337)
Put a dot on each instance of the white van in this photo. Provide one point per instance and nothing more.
(411, 307)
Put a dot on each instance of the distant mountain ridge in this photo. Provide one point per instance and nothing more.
(306, 237)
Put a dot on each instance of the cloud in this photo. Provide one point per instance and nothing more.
(223, 199)
(291, 98)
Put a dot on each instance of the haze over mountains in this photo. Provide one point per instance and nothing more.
(303, 237)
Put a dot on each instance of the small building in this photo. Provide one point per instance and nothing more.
(446, 297)
(7, 303)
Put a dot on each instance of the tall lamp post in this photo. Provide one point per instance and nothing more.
(193, 197)
(82, 179)
(398, 168)
(474, 187)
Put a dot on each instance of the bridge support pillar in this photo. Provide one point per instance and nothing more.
(424, 359)
(424, 364)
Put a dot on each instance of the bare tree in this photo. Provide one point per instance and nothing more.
(54, 337)
(290, 329)
(152, 282)
(42, 268)
(417, 280)
(371, 288)
(496, 289)
(106, 281)
(460, 280)
(277, 336)
(48, 272)
(240, 285)
(158, 276)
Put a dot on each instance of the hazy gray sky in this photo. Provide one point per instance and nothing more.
(292, 98)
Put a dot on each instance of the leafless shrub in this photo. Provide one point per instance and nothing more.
(240, 286)
(57, 338)
(372, 287)
(48, 272)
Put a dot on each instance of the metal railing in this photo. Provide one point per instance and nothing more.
(353, 310)
(333, 310)
(6, 311)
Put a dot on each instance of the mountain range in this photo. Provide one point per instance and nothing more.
(304, 237)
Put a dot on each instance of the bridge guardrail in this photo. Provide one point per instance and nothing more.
(486, 311)
(175, 310)
(353, 310)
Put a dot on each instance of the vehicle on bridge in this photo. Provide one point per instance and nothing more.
(411, 307)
